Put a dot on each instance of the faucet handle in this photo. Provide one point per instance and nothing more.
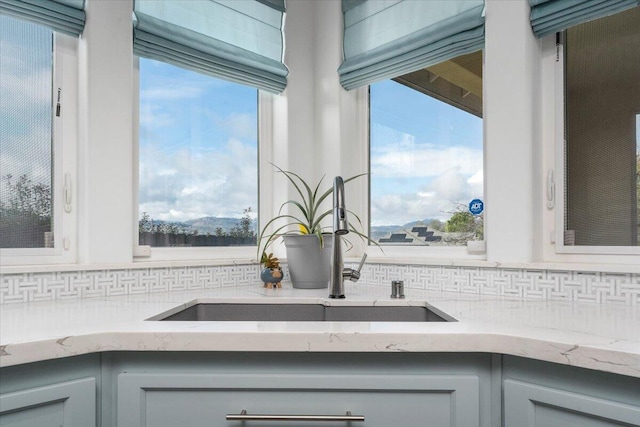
(364, 257)
(354, 275)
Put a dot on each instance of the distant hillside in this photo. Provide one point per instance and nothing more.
(205, 225)
(209, 224)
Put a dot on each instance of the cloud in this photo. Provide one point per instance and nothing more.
(25, 101)
(198, 150)
(414, 180)
(172, 93)
(243, 126)
(435, 200)
(151, 116)
(425, 161)
(196, 184)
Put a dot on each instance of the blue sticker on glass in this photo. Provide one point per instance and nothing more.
(476, 206)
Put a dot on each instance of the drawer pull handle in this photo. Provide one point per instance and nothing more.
(243, 416)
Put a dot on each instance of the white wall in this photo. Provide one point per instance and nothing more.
(511, 86)
(105, 134)
(316, 128)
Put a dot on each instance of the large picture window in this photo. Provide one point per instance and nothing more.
(426, 154)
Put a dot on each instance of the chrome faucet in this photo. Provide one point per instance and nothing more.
(340, 228)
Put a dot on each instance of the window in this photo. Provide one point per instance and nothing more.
(426, 155)
(602, 154)
(198, 159)
(35, 154)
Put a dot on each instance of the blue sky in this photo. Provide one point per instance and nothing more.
(198, 135)
(25, 101)
(638, 135)
(198, 144)
(426, 156)
(198, 154)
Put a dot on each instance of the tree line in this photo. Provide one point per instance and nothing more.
(160, 233)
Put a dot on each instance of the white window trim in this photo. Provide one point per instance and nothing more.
(612, 253)
(236, 254)
(65, 131)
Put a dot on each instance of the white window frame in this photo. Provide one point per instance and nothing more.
(65, 131)
(241, 254)
(614, 254)
(474, 251)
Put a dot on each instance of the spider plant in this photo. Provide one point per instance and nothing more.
(308, 214)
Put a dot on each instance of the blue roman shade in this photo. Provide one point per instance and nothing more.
(550, 16)
(240, 41)
(63, 16)
(384, 39)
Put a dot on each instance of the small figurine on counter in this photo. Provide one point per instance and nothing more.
(271, 275)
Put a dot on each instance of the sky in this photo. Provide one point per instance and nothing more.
(198, 145)
(638, 135)
(25, 102)
(426, 156)
(198, 141)
(198, 157)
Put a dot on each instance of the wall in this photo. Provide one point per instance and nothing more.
(319, 128)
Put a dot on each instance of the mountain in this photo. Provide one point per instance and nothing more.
(209, 224)
(205, 225)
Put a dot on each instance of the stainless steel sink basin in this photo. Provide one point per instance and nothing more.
(303, 313)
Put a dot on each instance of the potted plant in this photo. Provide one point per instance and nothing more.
(308, 242)
(271, 275)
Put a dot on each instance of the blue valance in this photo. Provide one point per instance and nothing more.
(550, 16)
(64, 16)
(241, 41)
(384, 39)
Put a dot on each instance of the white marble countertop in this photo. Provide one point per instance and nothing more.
(596, 336)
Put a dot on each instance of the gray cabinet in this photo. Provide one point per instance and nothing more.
(161, 400)
(56, 393)
(531, 405)
(538, 394)
(193, 389)
(438, 392)
(66, 404)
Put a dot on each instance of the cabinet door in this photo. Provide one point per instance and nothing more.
(68, 404)
(530, 405)
(163, 400)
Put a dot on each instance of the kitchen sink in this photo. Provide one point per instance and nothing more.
(303, 313)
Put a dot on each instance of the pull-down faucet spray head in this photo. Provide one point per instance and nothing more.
(340, 223)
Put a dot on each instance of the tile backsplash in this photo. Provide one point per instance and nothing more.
(611, 288)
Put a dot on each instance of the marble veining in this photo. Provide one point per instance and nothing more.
(603, 337)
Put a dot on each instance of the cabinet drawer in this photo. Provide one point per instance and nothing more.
(163, 400)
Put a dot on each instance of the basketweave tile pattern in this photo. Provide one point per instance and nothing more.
(608, 288)
(16, 288)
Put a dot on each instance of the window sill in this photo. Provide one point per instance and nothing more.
(479, 263)
(470, 263)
